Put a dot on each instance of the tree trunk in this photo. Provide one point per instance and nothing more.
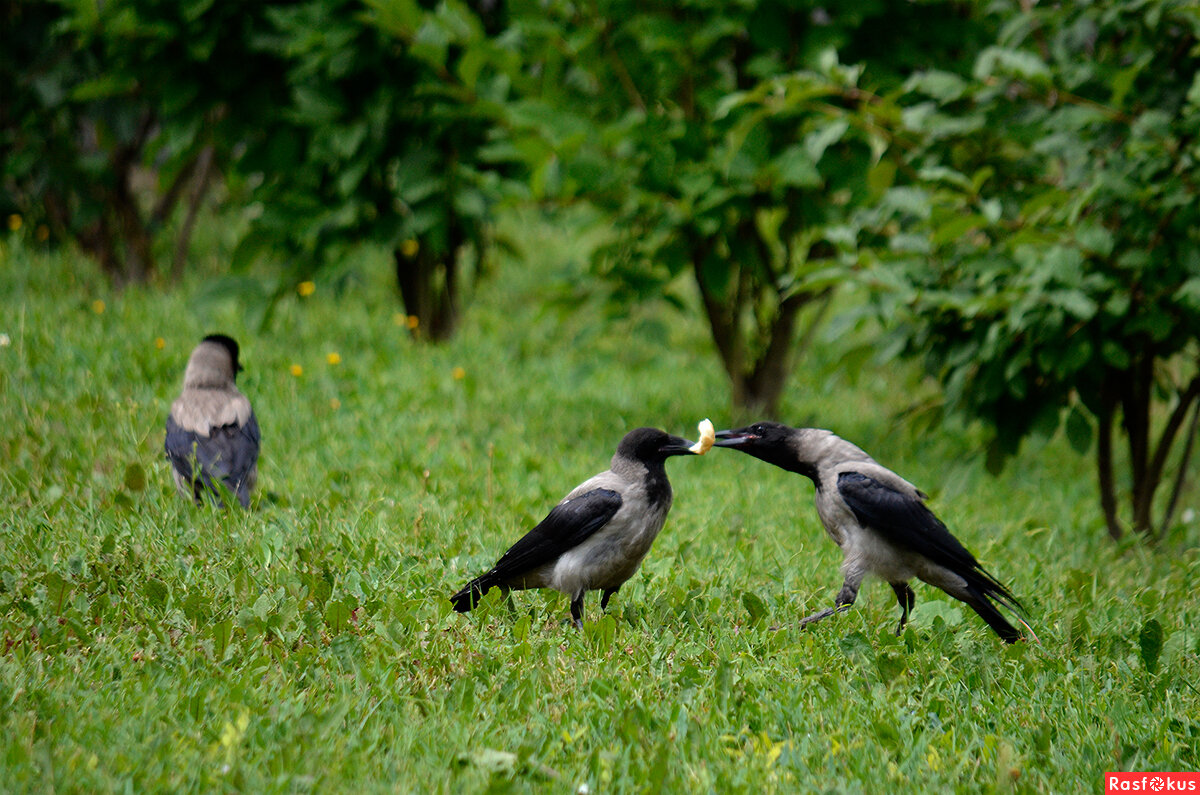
(757, 383)
(1135, 412)
(1181, 474)
(1104, 459)
(203, 168)
(429, 287)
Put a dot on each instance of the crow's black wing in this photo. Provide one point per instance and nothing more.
(182, 448)
(242, 449)
(568, 525)
(907, 523)
(228, 454)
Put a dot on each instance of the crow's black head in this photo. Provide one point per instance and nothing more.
(229, 344)
(651, 444)
(768, 441)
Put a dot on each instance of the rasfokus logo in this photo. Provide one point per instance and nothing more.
(1151, 782)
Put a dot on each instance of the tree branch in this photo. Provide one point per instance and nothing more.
(1167, 439)
(1181, 475)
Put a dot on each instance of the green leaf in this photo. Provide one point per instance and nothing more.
(1003, 62)
(156, 591)
(1079, 431)
(816, 142)
(135, 477)
(221, 633)
(110, 85)
(797, 169)
(1150, 643)
(943, 86)
(1094, 238)
(881, 177)
(337, 615)
(58, 590)
(754, 606)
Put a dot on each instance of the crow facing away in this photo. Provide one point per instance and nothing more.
(597, 536)
(880, 521)
(212, 433)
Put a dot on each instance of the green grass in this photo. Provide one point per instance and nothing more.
(308, 646)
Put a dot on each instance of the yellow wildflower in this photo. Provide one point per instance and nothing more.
(335, 404)
(458, 373)
(412, 322)
(333, 358)
(306, 289)
(296, 370)
(14, 222)
(160, 343)
(98, 306)
(410, 247)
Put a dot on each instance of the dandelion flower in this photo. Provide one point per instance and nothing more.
(333, 358)
(410, 247)
(306, 289)
(296, 370)
(14, 222)
(458, 373)
(412, 322)
(160, 343)
(98, 306)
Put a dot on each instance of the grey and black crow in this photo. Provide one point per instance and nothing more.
(596, 537)
(879, 520)
(212, 425)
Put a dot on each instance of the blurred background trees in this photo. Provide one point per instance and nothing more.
(1012, 184)
(1053, 268)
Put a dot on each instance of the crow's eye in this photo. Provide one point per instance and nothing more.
(758, 430)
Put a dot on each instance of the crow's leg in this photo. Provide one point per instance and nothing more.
(608, 592)
(906, 598)
(844, 599)
(577, 610)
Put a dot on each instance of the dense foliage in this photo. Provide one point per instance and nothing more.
(728, 143)
(1053, 260)
(114, 114)
(1017, 179)
(379, 138)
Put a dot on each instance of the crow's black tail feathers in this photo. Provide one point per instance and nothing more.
(984, 589)
(988, 612)
(471, 593)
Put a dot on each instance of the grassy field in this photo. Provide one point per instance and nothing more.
(307, 645)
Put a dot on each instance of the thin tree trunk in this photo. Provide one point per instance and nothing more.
(1135, 412)
(1166, 440)
(204, 168)
(1104, 460)
(433, 301)
(1181, 475)
(726, 333)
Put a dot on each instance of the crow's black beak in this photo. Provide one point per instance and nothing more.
(734, 438)
(676, 445)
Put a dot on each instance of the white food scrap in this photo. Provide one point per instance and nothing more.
(708, 435)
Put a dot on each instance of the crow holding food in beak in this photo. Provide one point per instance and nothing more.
(595, 539)
(880, 521)
(212, 434)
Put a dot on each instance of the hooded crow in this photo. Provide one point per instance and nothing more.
(880, 521)
(211, 424)
(596, 537)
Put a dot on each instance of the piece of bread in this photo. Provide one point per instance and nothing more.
(708, 435)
